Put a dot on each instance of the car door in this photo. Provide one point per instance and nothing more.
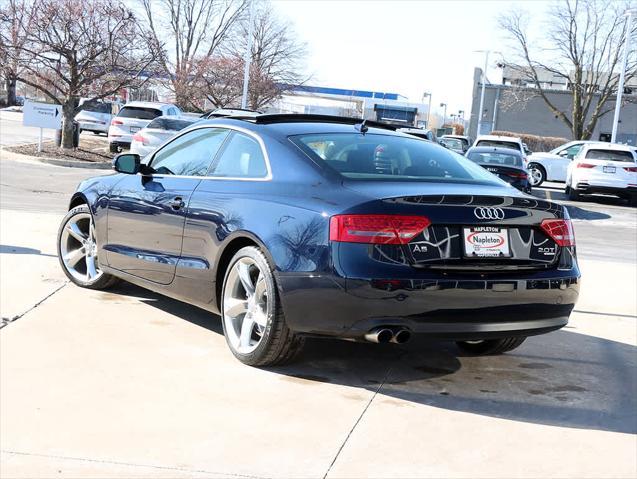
(146, 212)
(557, 167)
(240, 172)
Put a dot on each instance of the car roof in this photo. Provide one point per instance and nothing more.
(499, 138)
(460, 137)
(494, 149)
(284, 125)
(147, 104)
(608, 146)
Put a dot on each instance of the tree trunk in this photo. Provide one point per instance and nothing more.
(68, 110)
(10, 85)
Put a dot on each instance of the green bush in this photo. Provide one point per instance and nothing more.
(535, 142)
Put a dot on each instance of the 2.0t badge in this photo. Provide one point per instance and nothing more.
(488, 213)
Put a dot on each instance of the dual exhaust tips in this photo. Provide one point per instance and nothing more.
(388, 335)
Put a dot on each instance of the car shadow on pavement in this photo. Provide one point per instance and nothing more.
(577, 213)
(562, 379)
(10, 249)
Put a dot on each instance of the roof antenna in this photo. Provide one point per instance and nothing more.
(362, 127)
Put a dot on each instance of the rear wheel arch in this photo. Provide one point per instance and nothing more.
(233, 244)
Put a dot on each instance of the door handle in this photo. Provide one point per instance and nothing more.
(177, 203)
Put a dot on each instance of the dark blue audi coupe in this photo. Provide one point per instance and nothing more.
(291, 226)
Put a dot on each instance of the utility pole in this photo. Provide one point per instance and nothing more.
(484, 80)
(622, 73)
(248, 58)
(428, 107)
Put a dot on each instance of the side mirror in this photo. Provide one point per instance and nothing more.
(128, 163)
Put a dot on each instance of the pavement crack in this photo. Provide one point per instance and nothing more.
(369, 403)
(5, 321)
(131, 464)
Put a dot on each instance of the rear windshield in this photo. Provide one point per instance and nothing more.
(499, 143)
(463, 140)
(389, 158)
(494, 158)
(609, 155)
(96, 106)
(138, 112)
(169, 124)
(452, 143)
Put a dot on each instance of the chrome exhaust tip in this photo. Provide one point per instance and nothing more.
(401, 336)
(380, 335)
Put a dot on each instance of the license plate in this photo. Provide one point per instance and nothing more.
(486, 242)
(609, 169)
(134, 129)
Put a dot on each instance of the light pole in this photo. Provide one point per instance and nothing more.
(461, 117)
(427, 94)
(248, 58)
(444, 115)
(484, 78)
(622, 73)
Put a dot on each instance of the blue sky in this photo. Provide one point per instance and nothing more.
(405, 47)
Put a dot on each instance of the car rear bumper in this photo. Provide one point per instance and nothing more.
(588, 188)
(91, 126)
(449, 308)
(120, 143)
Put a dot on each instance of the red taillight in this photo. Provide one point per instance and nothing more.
(631, 169)
(560, 231)
(140, 138)
(115, 121)
(377, 229)
(520, 175)
(585, 165)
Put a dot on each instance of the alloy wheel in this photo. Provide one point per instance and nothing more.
(245, 305)
(78, 248)
(536, 176)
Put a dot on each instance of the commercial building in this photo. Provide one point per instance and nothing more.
(372, 105)
(514, 105)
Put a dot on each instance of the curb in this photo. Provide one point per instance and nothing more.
(74, 163)
(56, 161)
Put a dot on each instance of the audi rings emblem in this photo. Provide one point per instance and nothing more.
(483, 213)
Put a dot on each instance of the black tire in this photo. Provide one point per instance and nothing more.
(541, 172)
(113, 148)
(573, 194)
(279, 344)
(105, 280)
(490, 347)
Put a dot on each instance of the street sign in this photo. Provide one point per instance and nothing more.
(42, 115)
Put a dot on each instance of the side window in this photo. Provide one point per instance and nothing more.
(189, 154)
(571, 151)
(241, 158)
(172, 111)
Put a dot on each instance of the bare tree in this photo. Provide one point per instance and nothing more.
(276, 56)
(16, 18)
(582, 44)
(82, 47)
(191, 33)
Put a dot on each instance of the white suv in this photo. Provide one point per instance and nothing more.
(133, 117)
(552, 166)
(603, 168)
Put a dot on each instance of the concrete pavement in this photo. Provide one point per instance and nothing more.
(127, 383)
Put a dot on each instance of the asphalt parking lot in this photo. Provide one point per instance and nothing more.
(126, 383)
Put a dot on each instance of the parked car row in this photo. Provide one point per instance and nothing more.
(144, 126)
(587, 167)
